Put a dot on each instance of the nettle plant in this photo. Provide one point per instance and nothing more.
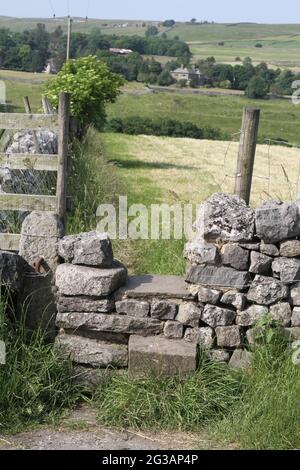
(91, 86)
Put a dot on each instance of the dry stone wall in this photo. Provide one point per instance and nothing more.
(243, 266)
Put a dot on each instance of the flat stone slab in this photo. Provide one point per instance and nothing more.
(218, 277)
(161, 356)
(170, 287)
(97, 322)
(85, 304)
(92, 352)
(74, 280)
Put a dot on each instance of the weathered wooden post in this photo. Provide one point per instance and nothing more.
(63, 140)
(48, 109)
(34, 135)
(246, 156)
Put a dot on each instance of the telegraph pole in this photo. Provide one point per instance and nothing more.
(69, 36)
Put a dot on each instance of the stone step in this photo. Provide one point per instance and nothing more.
(92, 352)
(158, 355)
(151, 286)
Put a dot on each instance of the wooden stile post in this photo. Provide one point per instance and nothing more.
(246, 156)
(47, 106)
(63, 140)
(28, 111)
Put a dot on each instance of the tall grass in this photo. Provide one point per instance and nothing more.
(36, 381)
(255, 409)
(268, 413)
(93, 180)
(175, 403)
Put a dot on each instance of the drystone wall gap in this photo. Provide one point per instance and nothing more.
(243, 267)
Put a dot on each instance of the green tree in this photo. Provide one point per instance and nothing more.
(168, 23)
(91, 86)
(152, 31)
(165, 79)
(257, 88)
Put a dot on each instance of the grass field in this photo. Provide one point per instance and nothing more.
(156, 170)
(118, 26)
(279, 118)
(279, 52)
(163, 169)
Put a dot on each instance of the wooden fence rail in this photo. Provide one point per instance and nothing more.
(58, 123)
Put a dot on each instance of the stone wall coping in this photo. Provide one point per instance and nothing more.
(155, 286)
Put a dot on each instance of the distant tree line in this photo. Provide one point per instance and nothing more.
(256, 81)
(30, 50)
(136, 125)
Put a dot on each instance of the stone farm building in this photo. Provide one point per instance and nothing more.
(189, 74)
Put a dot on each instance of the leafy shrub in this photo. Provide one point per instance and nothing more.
(91, 86)
(136, 125)
(257, 88)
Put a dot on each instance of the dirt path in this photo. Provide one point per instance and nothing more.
(81, 432)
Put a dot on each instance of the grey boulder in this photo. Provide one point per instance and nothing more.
(189, 314)
(267, 290)
(260, 263)
(208, 296)
(290, 248)
(89, 249)
(251, 315)
(235, 256)
(72, 280)
(234, 298)
(217, 316)
(229, 336)
(173, 330)
(92, 352)
(286, 269)
(276, 221)
(134, 308)
(218, 277)
(203, 336)
(225, 217)
(282, 313)
(201, 252)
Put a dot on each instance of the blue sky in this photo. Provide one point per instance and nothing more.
(262, 11)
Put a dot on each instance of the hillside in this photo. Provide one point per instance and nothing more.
(224, 112)
(226, 42)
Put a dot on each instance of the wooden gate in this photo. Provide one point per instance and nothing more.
(58, 123)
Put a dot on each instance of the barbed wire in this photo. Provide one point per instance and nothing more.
(293, 185)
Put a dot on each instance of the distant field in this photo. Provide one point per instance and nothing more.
(279, 118)
(280, 52)
(233, 32)
(156, 170)
(119, 26)
(280, 42)
(20, 84)
(190, 170)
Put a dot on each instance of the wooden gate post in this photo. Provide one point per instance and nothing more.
(63, 140)
(34, 134)
(246, 156)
